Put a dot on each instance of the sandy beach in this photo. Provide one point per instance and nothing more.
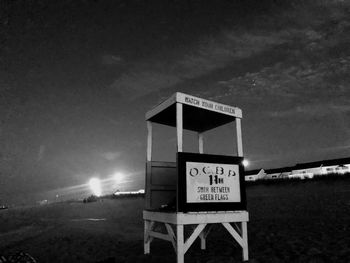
(291, 222)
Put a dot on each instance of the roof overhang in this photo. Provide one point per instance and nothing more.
(198, 114)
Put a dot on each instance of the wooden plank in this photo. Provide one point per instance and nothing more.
(239, 138)
(162, 106)
(196, 218)
(201, 142)
(245, 241)
(233, 233)
(148, 186)
(147, 239)
(149, 141)
(180, 243)
(179, 126)
(193, 236)
(203, 240)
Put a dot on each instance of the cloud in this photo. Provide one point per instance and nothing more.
(109, 59)
(312, 110)
(111, 156)
(200, 59)
(294, 81)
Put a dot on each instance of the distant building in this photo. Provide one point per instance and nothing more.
(254, 175)
(302, 170)
(335, 166)
(278, 173)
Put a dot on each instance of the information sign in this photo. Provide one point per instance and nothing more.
(210, 182)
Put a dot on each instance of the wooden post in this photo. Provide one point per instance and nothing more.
(239, 137)
(201, 142)
(147, 239)
(245, 241)
(179, 126)
(202, 237)
(180, 243)
(149, 141)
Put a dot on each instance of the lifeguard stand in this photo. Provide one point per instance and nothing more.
(198, 189)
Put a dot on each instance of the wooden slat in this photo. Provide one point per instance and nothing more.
(179, 126)
(201, 142)
(239, 138)
(245, 241)
(195, 218)
(180, 243)
(149, 141)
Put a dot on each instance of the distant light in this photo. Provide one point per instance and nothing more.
(118, 177)
(245, 163)
(95, 186)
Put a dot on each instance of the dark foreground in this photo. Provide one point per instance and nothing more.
(291, 222)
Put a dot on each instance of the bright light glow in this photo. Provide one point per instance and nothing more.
(245, 163)
(118, 177)
(95, 186)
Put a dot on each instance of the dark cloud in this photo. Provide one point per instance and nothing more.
(76, 78)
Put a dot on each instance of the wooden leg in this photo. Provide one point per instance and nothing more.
(147, 239)
(180, 243)
(245, 241)
(202, 237)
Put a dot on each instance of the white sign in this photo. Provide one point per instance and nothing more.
(209, 105)
(212, 183)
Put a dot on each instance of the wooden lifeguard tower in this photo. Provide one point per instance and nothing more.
(198, 189)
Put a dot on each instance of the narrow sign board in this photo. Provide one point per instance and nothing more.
(212, 182)
(208, 105)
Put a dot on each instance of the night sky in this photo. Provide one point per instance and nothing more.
(77, 77)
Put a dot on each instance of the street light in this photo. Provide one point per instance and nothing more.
(245, 162)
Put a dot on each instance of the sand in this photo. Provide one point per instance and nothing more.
(296, 222)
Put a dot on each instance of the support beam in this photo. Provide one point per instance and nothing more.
(201, 143)
(179, 126)
(149, 141)
(245, 241)
(239, 137)
(202, 238)
(147, 238)
(180, 243)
